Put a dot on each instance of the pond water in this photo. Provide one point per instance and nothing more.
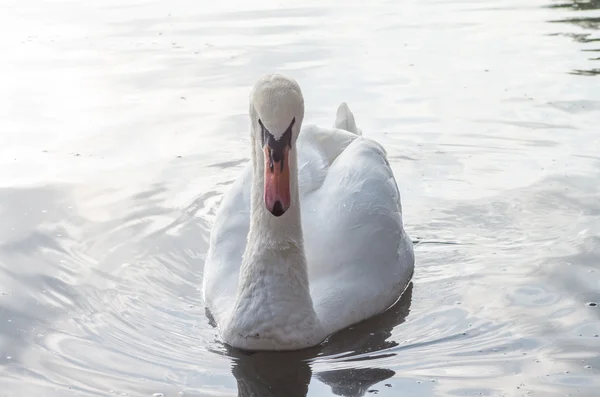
(122, 124)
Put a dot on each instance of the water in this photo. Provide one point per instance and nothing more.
(124, 122)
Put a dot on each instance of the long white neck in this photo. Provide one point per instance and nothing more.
(273, 307)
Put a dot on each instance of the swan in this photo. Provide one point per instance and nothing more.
(309, 239)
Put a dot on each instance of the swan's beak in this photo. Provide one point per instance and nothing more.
(277, 178)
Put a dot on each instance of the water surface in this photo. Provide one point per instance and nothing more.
(123, 123)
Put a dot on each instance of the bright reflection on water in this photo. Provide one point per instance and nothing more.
(122, 123)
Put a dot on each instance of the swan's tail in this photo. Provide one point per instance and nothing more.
(344, 120)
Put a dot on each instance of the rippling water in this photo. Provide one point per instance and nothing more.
(122, 123)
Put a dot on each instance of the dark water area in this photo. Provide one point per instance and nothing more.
(587, 32)
(122, 124)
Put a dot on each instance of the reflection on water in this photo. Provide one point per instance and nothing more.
(587, 18)
(123, 124)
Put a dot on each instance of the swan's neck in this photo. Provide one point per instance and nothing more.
(273, 303)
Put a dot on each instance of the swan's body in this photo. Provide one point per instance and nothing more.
(338, 255)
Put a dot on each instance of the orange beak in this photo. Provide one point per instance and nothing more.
(277, 179)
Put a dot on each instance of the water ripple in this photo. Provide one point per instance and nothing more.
(125, 122)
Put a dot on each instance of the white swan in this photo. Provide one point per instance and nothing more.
(280, 278)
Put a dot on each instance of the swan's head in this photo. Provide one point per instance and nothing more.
(276, 112)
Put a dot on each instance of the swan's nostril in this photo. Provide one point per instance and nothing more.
(277, 209)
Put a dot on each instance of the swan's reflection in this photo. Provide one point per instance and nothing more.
(272, 374)
(266, 374)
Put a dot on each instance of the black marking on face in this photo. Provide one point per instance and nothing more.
(276, 147)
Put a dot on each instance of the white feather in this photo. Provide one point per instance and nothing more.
(339, 255)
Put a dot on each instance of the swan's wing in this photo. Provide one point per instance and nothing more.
(227, 244)
(318, 149)
(360, 258)
(344, 120)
